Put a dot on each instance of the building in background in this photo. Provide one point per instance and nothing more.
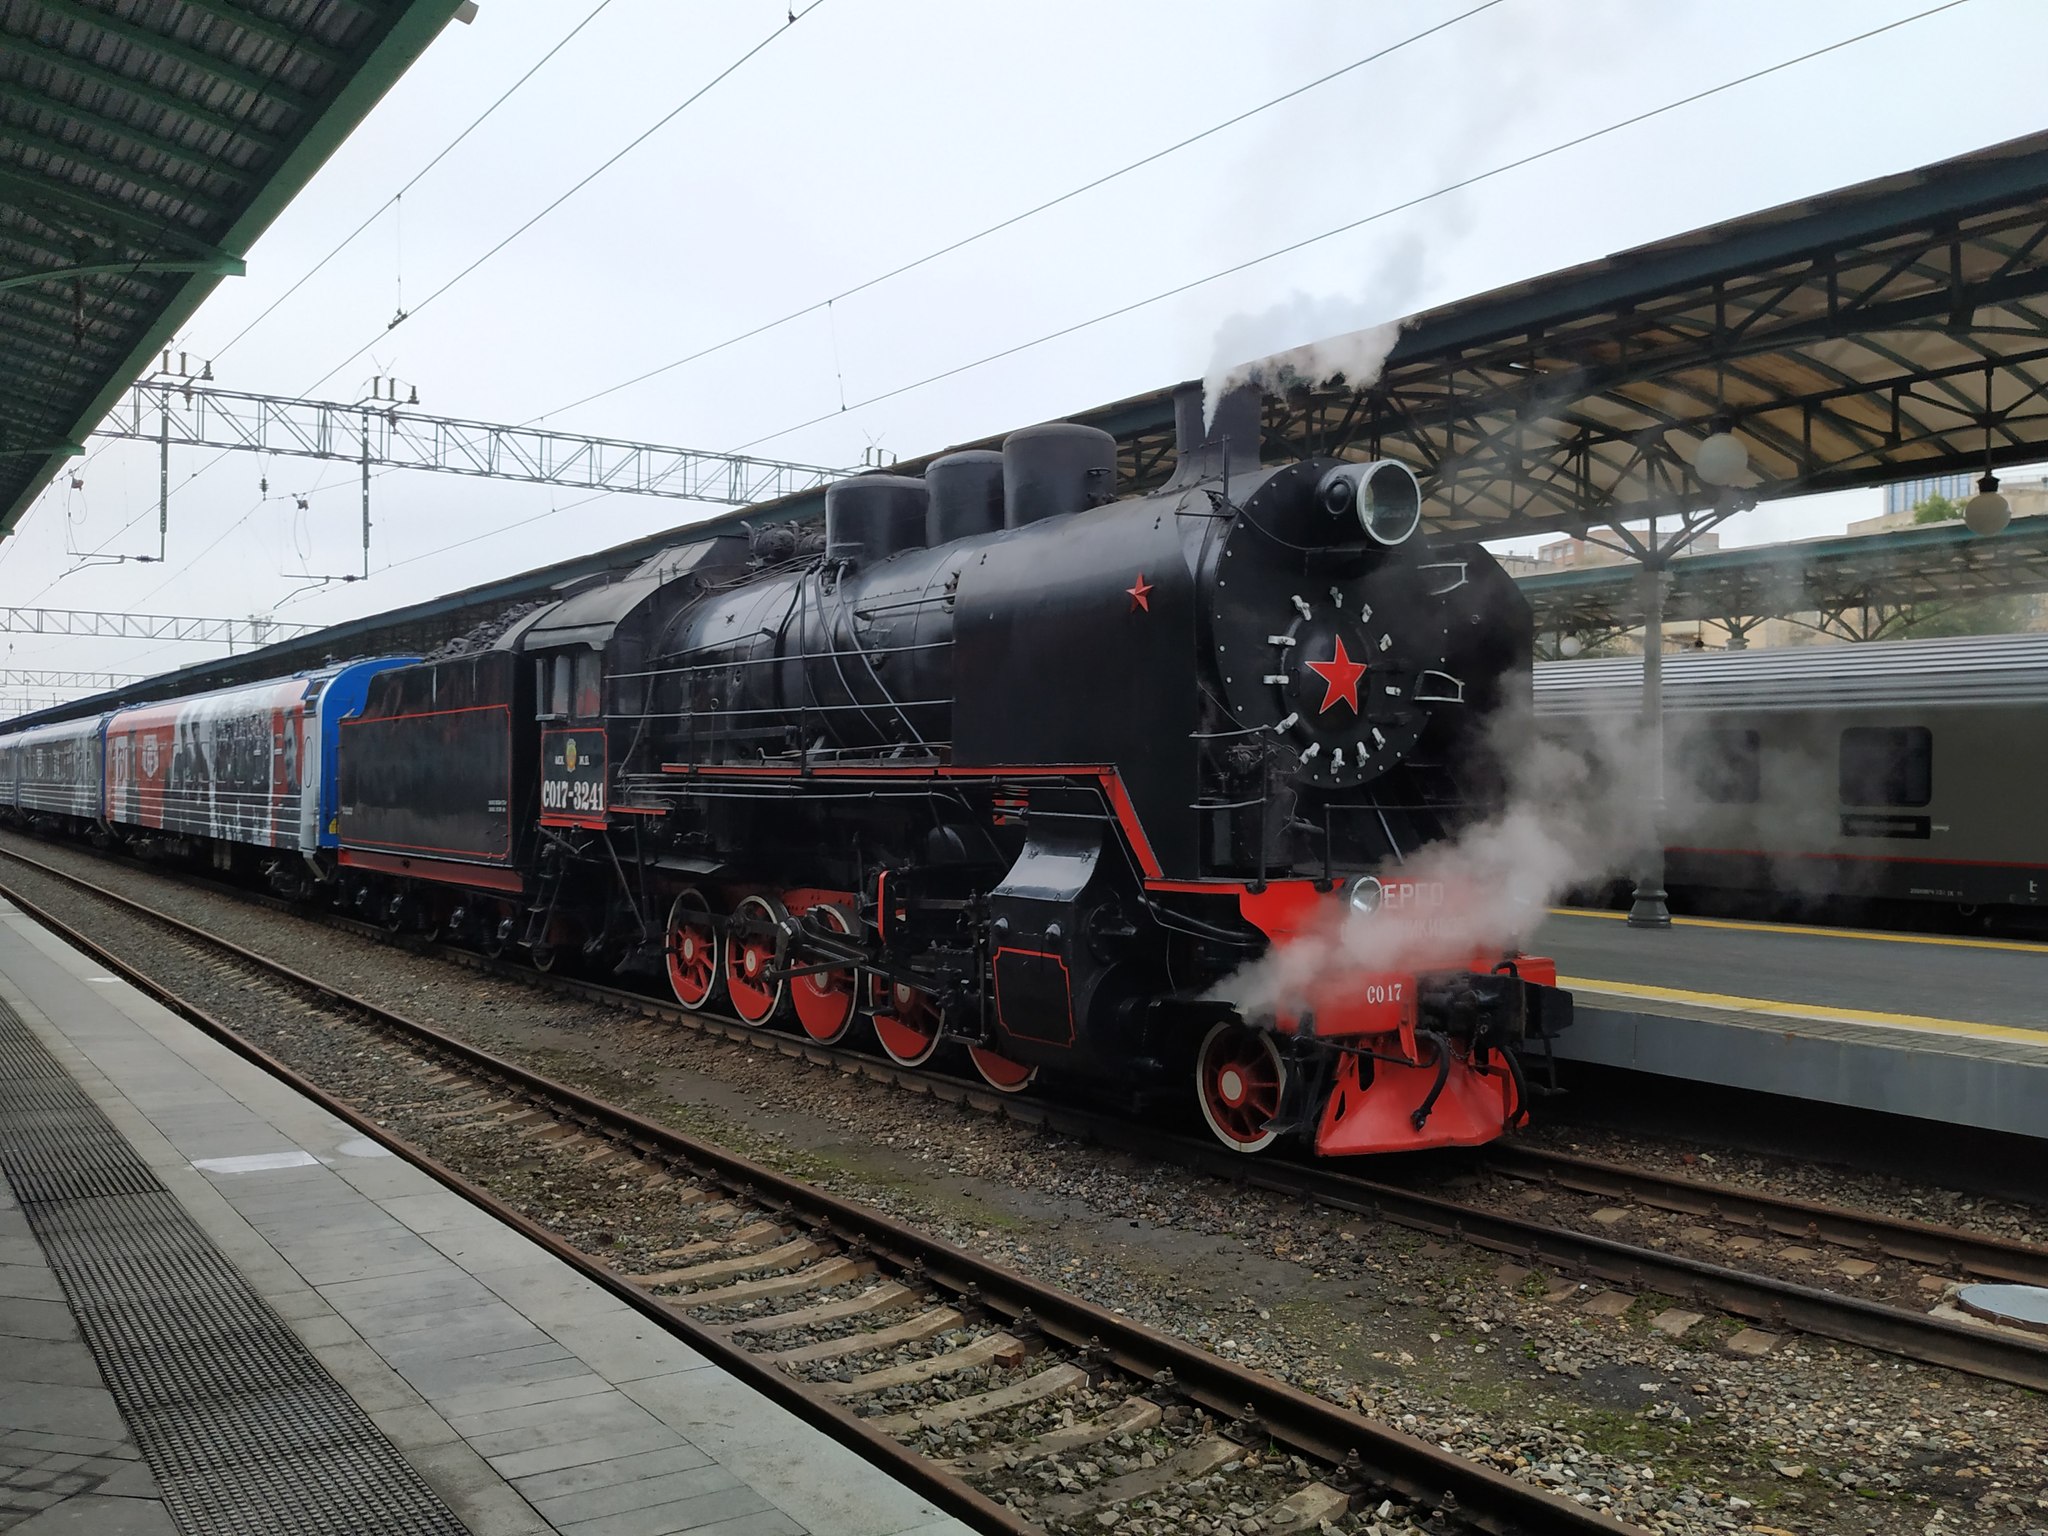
(1907, 495)
(1904, 502)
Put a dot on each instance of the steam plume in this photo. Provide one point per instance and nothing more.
(1357, 357)
(1573, 815)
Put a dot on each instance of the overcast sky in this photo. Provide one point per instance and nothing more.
(875, 131)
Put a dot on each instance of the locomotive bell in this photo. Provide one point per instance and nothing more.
(1383, 495)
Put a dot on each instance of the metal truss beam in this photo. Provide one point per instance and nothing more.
(241, 633)
(1855, 587)
(1837, 363)
(91, 682)
(379, 435)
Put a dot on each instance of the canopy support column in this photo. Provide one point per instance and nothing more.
(1650, 909)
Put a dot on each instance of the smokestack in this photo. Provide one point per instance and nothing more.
(1232, 432)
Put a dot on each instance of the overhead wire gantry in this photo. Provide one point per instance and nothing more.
(173, 409)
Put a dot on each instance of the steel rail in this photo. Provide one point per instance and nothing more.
(1766, 1299)
(1760, 1298)
(1993, 1258)
(1416, 1469)
(914, 1471)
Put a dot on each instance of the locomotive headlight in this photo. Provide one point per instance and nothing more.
(1383, 495)
(1365, 895)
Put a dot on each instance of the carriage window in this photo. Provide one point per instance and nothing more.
(1887, 765)
(589, 686)
(1722, 767)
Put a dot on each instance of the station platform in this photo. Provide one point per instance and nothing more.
(224, 1311)
(1953, 1030)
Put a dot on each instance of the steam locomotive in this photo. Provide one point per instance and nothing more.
(1000, 760)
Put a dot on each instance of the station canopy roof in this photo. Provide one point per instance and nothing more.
(1866, 335)
(1849, 339)
(1874, 574)
(144, 145)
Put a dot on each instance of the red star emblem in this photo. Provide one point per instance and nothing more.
(1341, 674)
(1141, 594)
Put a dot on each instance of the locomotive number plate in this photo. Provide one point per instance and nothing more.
(572, 777)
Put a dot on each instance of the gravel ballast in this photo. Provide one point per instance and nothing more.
(1515, 1369)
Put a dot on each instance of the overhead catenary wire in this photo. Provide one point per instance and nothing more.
(1468, 181)
(394, 201)
(1518, 163)
(1029, 213)
(689, 101)
(822, 304)
(1444, 191)
(667, 118)
(417, 177)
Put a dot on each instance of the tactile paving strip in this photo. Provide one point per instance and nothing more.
(246, 1432)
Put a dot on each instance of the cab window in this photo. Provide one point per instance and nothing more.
(551, 686)
(589, 675)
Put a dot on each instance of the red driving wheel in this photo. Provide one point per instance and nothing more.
(826, 1000)
(753, 949)
(999, 1072)
(907, 1023)
(692, 949)
(1239, 1080)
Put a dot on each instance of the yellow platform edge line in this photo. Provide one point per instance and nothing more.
(1781, 1009)
(2019, 946)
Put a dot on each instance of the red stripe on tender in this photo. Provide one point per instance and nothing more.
(444, 871)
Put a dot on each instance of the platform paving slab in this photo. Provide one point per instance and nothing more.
(526, 1396)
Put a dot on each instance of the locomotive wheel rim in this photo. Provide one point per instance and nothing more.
(1239, 1081)
(748, 958)
(826, 1000)
(692, 950)
(907, 1025)
(999, 1072)
(544, 957)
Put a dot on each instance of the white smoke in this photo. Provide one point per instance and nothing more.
(1573, 815)
(1331, 336)
(1356, 357)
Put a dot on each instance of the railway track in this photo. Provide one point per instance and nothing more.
(1869, 1233)
(1772, 1301)
(965, 1380)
